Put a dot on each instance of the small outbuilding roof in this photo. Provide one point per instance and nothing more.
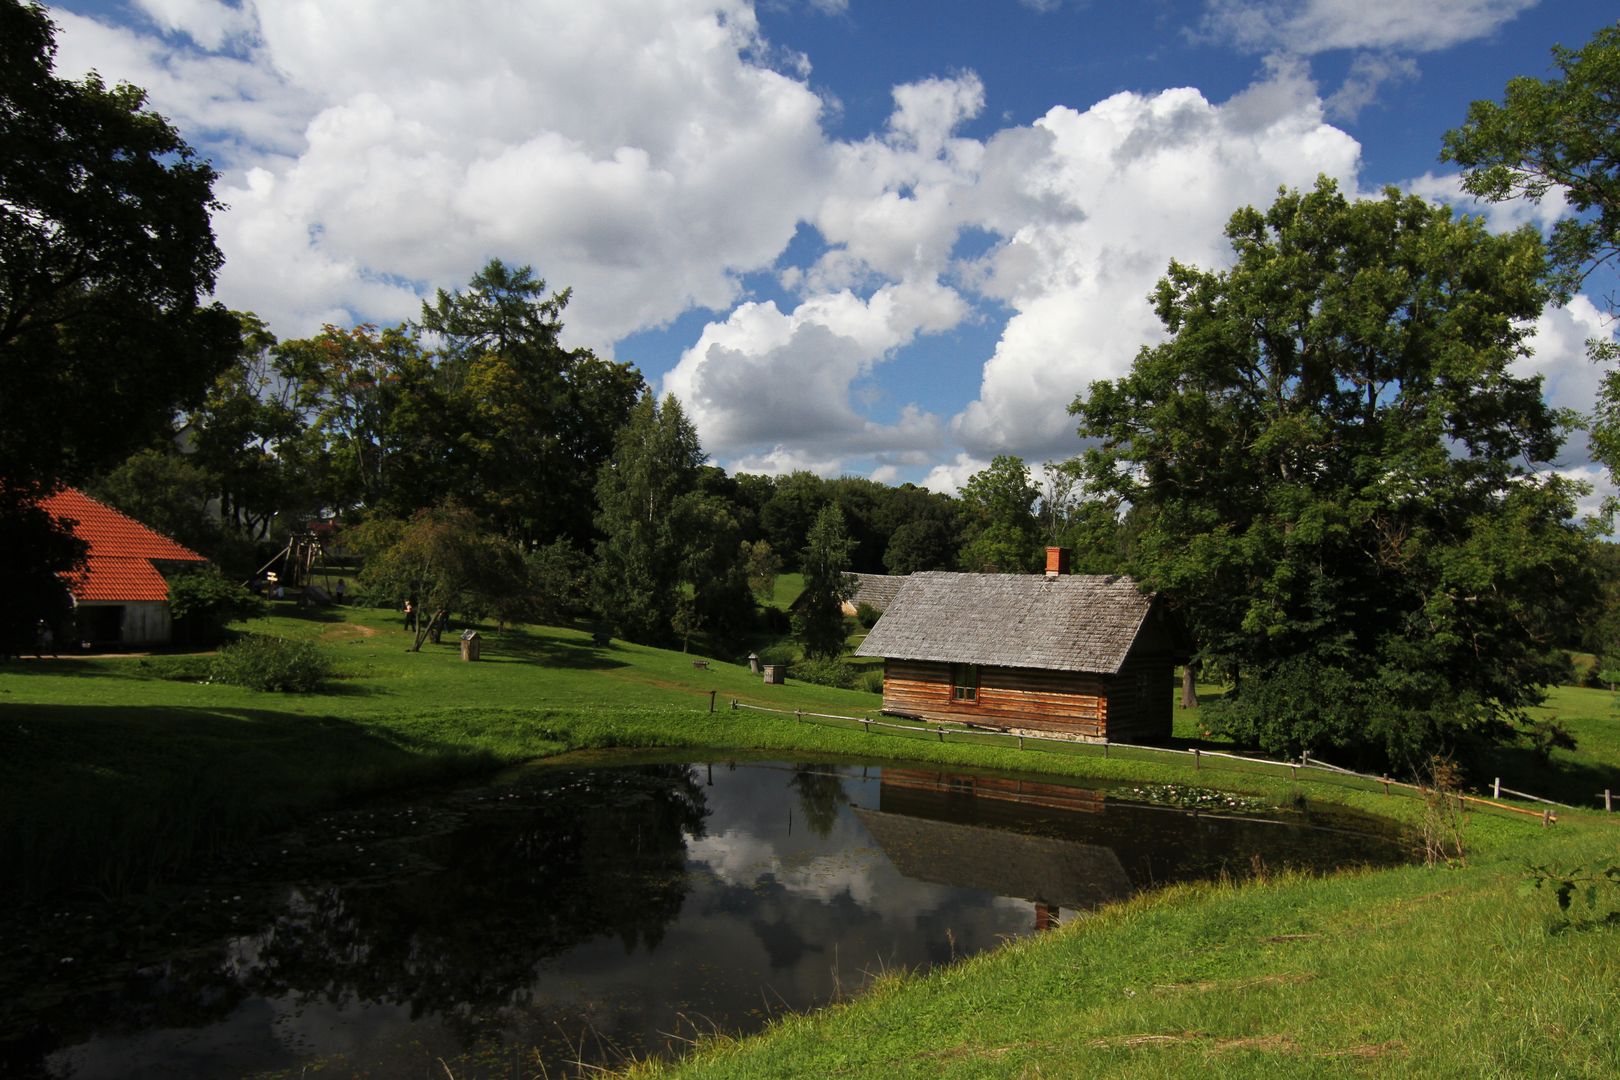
(1080, 622)
(122, 550)
(876, 590)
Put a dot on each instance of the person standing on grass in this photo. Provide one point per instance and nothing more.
(410, 613)
(342, 587)
(44, 640)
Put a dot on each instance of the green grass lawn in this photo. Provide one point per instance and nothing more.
(115, 773)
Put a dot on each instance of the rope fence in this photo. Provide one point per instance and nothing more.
(1314, 770)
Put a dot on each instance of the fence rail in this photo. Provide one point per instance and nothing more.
(1316, 770)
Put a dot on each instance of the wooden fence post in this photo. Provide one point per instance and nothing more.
(1198, 760)
(1608, 800)
(711, 700)
(1496, 788)
(1386, 785)
(1546, 816)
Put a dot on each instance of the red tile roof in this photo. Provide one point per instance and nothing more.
(121, 551)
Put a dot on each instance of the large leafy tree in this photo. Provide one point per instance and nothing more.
(381, 434)
(1331, 466)
(1561, 136)
(444, 560)
(246, 436)
(999, 503)
(818, 621)
(639, 492)
(539, 419)
(105, 252)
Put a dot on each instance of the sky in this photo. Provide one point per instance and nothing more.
(870, 237)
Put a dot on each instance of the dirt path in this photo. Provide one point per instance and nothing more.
(349, 629)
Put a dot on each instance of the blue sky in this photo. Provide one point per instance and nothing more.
(883, 238)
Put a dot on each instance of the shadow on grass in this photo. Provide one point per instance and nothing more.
(579, 654)
(90, 667)
(112, 800)
(1578, 783)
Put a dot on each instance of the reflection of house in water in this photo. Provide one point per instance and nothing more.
(967, 832)
(1070, 847)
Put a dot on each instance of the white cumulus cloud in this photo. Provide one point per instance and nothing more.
(645, 152)
(1316, 26)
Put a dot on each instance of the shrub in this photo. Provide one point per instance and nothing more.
(825, 671)
(780, 653)
(203, 601)
(873, 682)
(272, 663)
(867, 615)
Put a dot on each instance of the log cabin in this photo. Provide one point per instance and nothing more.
(1087, 656)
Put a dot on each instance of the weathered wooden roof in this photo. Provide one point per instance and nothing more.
(1073, 622)
(878, 590)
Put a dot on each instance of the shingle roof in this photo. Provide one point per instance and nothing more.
(1067, 623)
(121, 551)
(877, 590)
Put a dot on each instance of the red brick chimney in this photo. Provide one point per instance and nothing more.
(1057, 561)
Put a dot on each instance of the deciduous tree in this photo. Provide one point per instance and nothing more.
(105, 253)
(638, 572)
(999, 501)
(1561, 137)
(1333, 466)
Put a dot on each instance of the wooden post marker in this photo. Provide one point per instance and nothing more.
(1198, 759)
(1496, 788)
(711, 699)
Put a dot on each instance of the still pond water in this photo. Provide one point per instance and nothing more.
(589, 913)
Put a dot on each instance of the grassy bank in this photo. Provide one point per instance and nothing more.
(1410, 972)
(115, 772)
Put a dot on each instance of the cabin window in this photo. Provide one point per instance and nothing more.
(965, 682)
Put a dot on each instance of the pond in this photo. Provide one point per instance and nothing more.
(591, 912)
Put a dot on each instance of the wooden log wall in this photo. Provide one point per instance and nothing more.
(1065, 701)
(1142, 696)
(1120, 707)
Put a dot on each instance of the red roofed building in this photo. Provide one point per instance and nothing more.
(120, 596)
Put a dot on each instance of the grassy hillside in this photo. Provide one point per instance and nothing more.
(117, 772)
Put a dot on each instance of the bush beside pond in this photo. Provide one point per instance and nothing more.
(273, 663)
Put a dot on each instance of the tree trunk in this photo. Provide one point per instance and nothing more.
(1189, 689)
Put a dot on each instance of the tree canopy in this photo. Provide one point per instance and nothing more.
(106, 250)
(819, 621)
(1561, 136)
(105, 253)
(999, 503)
(1330, 465)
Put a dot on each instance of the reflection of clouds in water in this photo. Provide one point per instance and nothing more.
(775, 917)
(742, 859)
